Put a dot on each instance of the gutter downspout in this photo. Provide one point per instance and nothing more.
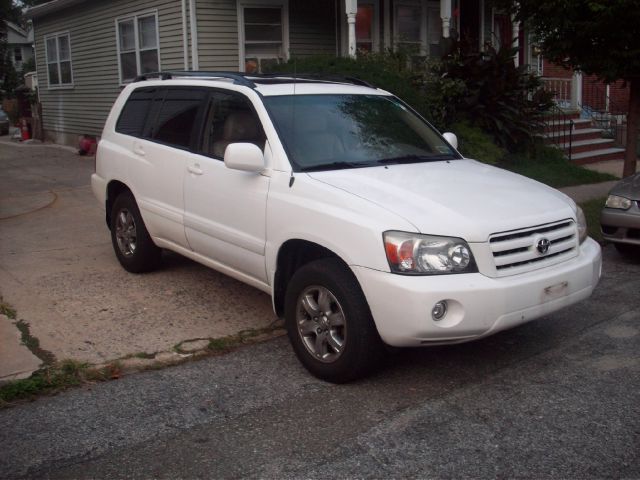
(185, 36)
(195, 63)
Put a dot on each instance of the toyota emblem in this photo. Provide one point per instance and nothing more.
(543, 245)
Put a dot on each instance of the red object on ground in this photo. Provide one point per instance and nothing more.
(24, 129)
(87, 145)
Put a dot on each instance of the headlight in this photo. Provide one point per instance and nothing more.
(415, 254)
(582, 224)
(614, 201)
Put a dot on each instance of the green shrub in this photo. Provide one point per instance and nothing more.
(476, 144)
(499, 97)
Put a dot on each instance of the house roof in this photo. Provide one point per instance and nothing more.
(50, 7)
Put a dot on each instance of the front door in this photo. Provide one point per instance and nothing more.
(225, 209)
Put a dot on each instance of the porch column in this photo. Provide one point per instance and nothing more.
(445, 15)
(576, 90)
(351, 9)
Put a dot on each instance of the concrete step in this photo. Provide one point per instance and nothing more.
(588, 145)
(577, 135)
(561, 125)
(598, 155)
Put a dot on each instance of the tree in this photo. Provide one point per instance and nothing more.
(598, 37)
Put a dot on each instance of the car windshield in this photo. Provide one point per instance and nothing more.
(3, 116)
(327, 132)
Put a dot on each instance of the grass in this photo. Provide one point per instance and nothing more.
(33, 344)
(592, 209)
(7, 310)
(548, 165)
(54, 378)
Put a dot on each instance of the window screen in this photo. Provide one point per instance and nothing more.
(134, 113)
(177, 116)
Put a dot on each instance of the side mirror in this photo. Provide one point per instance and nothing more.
(451, 138)
(244, 156)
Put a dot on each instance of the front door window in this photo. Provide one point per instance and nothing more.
(263, 37)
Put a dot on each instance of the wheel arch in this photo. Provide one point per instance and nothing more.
(114, 188)
(292, 255)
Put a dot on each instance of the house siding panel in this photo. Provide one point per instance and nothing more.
(83, 108)
(312, 28)
(217, 34)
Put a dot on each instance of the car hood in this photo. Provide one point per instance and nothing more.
(628, 187)
(459, 198)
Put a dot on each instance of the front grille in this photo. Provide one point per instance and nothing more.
(517, 251)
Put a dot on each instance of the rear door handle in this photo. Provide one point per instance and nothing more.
(195, 169)
(138, 150)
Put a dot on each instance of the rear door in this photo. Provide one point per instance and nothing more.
(161, 154)
(225, 210)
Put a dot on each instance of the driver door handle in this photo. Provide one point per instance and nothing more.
(195, 169)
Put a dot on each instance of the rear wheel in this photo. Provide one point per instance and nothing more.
(132, 244)
(329, 322)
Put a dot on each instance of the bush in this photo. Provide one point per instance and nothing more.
(499, 97)
(476, 144)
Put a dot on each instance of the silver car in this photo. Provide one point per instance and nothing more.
(620, 217)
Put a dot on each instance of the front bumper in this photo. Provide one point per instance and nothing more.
(477, 305)
(621, 226)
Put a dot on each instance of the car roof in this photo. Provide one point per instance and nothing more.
(266, 85)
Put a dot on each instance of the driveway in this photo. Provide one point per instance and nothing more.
(58, 270)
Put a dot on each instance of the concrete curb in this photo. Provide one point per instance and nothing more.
(16, 360)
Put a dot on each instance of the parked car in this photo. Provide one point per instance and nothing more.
(4, 122)
(363, 223)
(620, 217)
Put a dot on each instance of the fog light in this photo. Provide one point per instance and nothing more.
(439, 310)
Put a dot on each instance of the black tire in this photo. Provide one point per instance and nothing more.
(132, 244)
(632, 252)
(362, 347)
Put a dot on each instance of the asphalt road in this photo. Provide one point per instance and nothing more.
(555, 398)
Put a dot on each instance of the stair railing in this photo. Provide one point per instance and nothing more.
(559, 127)
(606, 114)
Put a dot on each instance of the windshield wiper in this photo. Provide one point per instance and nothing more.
(336, 166)
(415, 159)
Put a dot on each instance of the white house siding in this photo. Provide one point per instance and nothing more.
(83, 108)
(312, 27)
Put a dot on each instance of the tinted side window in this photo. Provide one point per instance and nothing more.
(134, 114)
(177, 116)
(230, 119)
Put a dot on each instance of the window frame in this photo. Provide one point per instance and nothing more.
(423, 43)
(57, 36)
(136, 17)
(202, 134)
(283, 5)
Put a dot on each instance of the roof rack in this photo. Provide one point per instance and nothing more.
(252, 79)
(238, 78)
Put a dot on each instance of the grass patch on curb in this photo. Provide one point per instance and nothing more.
(7, 310)
(33, 344)
(548, 165)
(55, 378)
(592, 209)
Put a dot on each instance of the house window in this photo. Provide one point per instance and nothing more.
(138, 50)
(58, 55)
(365, 27)
(17, 55)
(264, 37)
(410, 32)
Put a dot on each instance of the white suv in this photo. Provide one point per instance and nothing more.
(363, 223)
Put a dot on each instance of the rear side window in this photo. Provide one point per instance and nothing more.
(134, 114)
(177, 116)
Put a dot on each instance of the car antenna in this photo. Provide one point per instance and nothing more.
(293, 112)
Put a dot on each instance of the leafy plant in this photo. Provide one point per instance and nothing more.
(499, 97)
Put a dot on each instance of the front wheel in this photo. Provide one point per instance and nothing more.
(329, 322)
(632, 252)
